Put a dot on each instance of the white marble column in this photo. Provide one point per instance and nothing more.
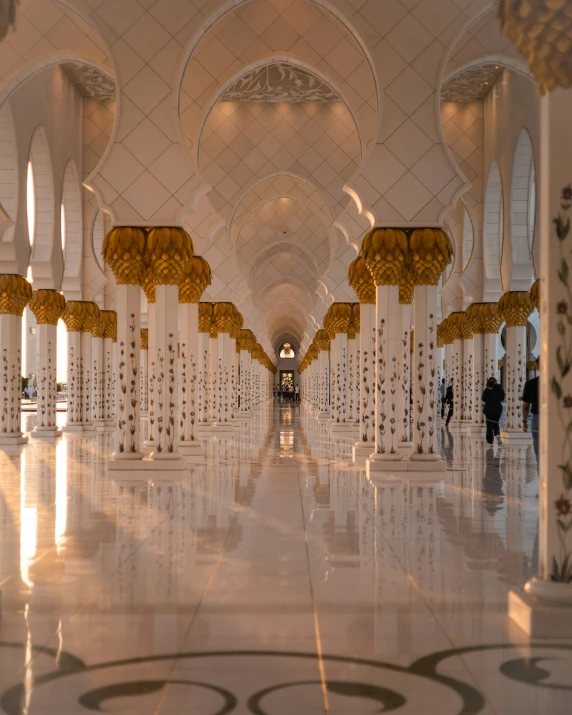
(455, 321)
(404, 395)
(151, 368)
(144, 357)
(353, 368)
(166, 372)
(387, 382)
(545, 610)
(368, 339)
(515, 307)
(479, 381)
(127, 385)
(204, 386)
(215, 377)
(468, 379)
(47, 307)
(98, 375)
(15, 292)
(425, 453)
(244, 341)
(109, 347)
(189, 379)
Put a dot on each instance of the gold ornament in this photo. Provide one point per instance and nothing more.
(245, 340)
(47, 306)
(361, 280)
(532, 365)
(205, 317)
(99, 327)
(473, 315)
(385, 253)
(110, 317)
(148, 284)
(224, 316)
(144, 342)
(237, 323)
(459, 326)
(340, 315)
(169, 251)
(196, 277)
(446, 332)
(80, 316)
(500, 363)
(431, 251)
(15, 294)
(491, 319)
(515, 307)
(322, 340)
(354, 328)
(406, 291)
(535, 294)
(124, 252)
(440, 340)
(542, 31)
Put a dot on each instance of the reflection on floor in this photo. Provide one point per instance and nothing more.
(274, 579)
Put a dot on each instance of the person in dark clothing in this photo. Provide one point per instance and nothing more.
(493, 396)
(449, 401)
(530, 405)
(442, 390)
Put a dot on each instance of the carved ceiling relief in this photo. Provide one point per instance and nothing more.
(280, 82)
(89, 81)
(473, 83)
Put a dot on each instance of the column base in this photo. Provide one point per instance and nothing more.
(46, 433)
(204, 429)
(323, 416)
(362, 450)
(459, 427)
(516, 437)
(75, 427)
(13, 439)
(223, 428)
(242, 417)
(387, 463)
(144, 468)
(540, 618)
(126, 457)
(477, 430)
(165, 457)
(343, 429)
(192, 449)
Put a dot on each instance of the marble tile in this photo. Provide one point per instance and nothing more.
(274, 575)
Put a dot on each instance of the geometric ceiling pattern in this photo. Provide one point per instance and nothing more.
(283, 220)
(243, 143)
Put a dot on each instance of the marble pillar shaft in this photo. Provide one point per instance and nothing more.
(144, 357)
(467, 395)
(479, 378)
(351, 373)
(458, 384)
(166, 372)
(224, 362)
(245, 375)
(47, 342)
(387, 370)
(515, 375)
(404, 401)
(74, 380)
(98, 380)
(11, 377)
(109, 399)
(86, 368)
(424, 370)
(188, 370)
(214, 387)
(127, 387)
(368, 340)
(203, 377)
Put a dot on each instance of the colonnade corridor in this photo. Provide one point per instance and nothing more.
(273, 577)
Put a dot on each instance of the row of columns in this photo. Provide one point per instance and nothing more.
(395, 270)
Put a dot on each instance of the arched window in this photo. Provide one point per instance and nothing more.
(287, 351)
(40, 197)
(71, 230)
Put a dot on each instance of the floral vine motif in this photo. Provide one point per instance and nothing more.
(357, 384)
(405, 387)
(432, 386)
(192, 399)
(160, 399)
(561, 567)
(72, 385)
(152, 380)
(381, 409)
(108, 382)
(183, 389)
(5, 389)
(170, 428)
(126, 418)
(468, 389)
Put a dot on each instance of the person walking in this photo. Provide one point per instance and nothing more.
(493, 397)
(443, 390)
(297, 389)
(449, 401)
(530, 406)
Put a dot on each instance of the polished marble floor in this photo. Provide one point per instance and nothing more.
(273, 579)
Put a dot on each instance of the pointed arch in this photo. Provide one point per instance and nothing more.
(523, 202)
